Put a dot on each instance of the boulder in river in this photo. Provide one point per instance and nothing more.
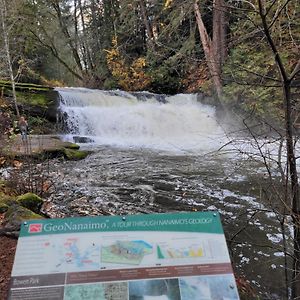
(82, 139)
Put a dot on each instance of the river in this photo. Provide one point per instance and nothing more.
(168, 154)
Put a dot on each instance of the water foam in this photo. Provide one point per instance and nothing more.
(119, 118)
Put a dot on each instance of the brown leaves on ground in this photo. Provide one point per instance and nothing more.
(7, 162)
(2, 161)
(17, 164)
(7, 255)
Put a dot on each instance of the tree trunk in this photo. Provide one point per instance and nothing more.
(296, 265)
(85, 49)
(216, 39)
(219, 32)
(295, 189)
(95, 26)
(3, 11)
(147, 24)
(212, 59)
(223, 31)
(291, 158)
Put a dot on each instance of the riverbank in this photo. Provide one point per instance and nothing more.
(15, 154)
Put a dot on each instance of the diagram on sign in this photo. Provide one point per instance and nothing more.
(77, 256)
(126, 252)
(167, 251)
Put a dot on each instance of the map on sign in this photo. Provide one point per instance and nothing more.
(126, 252)
(73, 254)
(180, 256)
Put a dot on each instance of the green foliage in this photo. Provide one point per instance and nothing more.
(35, 121)
(252, 80)
(110, 84)
(43, 52)
(164, 81)
(39, 125)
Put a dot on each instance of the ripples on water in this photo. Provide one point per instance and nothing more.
(119, 181)
(153, 160)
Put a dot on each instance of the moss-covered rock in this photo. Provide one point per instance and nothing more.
(3, 207)
(30, 201)
(34, 100)
(16, 214)
(71, 154)
(6, 199)
(70, 145)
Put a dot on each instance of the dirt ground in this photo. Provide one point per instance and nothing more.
(7, 254)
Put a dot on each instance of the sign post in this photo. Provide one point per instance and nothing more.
(179, 256)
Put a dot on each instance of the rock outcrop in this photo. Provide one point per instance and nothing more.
(43, 146)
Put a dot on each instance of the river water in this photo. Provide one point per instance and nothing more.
(168, 154)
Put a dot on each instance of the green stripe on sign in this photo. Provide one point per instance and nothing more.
(208, 222)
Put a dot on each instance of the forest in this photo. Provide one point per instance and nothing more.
(241, 57)
(160, 46)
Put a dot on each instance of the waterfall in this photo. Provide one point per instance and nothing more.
(119, 118)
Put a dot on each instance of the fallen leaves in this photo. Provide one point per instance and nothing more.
(17, 164)
(7, 253)
(2, 161)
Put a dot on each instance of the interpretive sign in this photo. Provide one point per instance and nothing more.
(179, 256)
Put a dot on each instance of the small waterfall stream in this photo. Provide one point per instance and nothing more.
(126, 120)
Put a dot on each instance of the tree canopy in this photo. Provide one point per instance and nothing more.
(164, 46)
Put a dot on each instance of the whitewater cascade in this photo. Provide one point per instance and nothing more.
(178, 123)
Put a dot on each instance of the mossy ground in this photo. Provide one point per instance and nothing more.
(36, 99)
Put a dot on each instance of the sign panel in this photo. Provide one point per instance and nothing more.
(179, 256)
